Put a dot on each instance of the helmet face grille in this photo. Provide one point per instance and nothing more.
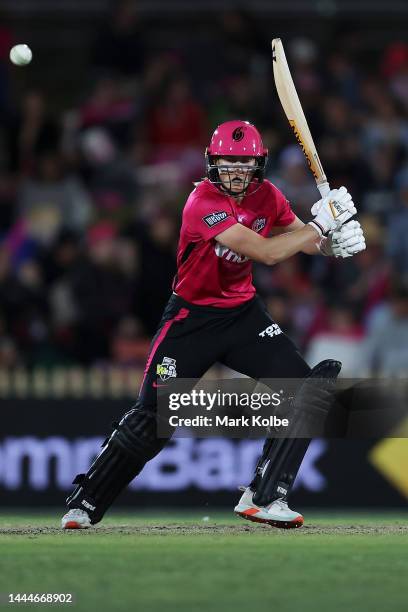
(250, 175)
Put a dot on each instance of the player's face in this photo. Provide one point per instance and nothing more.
(235, 172)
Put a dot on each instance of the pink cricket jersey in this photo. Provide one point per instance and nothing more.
(208, 273)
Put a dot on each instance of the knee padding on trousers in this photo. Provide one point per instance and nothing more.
(136, 434)
(281, 458)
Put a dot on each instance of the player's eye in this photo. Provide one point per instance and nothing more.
(231, 169)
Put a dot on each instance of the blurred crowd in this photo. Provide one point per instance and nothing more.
(91, 195)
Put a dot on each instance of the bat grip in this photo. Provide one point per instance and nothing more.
(324, 188)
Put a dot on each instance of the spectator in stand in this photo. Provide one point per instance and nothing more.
(24, 304)
(385, 124)
(307, 73)
(379, 194)
(303, 55)
(395, 68)
(342, 77)
(397, 233)
(111, 177)
(109, 106)
(341, 336)
(158, 266)
(364, 281)
(386, 346)
(58, 266)
(102, 293)
(289, 277)
(130, 345)
(295, 181)
(177, 128)
(33, 325)
(340, 147)
(52, 200)
(373, 279)
(30, 133)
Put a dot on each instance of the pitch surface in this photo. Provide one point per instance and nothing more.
(184, 563)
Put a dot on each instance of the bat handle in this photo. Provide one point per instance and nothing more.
(324, 188)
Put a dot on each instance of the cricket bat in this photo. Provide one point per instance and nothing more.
(296, 117)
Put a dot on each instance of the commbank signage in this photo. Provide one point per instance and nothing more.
(46, 443)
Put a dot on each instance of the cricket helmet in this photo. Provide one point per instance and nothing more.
(236, 139)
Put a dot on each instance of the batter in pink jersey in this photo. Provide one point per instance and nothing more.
(232, 218)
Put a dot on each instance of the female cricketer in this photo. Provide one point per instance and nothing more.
(232, 218)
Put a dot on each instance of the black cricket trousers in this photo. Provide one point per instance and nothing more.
(190, 339)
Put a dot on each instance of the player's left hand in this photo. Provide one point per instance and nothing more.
(348, 240)
(333, 211)
(342, 192)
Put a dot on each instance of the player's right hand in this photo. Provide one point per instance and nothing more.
(333, 210)
(348, 240)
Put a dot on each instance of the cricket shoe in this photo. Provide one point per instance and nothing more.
(76, 519)
(276, 514)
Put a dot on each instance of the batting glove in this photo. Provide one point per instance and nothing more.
(348, 240)
(333, 210)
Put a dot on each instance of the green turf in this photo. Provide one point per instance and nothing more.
(213, 572)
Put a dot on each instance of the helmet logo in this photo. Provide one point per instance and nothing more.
(238, 134)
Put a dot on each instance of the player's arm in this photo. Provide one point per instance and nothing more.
(269, 251)
(320, 247)
(344, 240)
(334, 211)
(347, 241)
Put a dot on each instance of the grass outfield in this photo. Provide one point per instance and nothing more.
(178, 562)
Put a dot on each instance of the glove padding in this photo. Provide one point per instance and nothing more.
(348, 240)
(333, 211)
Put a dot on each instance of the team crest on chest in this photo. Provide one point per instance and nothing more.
(259, 224)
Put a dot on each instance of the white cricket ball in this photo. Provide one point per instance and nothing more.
(21, 55)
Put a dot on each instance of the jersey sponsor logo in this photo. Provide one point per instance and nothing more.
(215, 218)
(229, 255)
(167, 368)
(271, 330)
(259, 224)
